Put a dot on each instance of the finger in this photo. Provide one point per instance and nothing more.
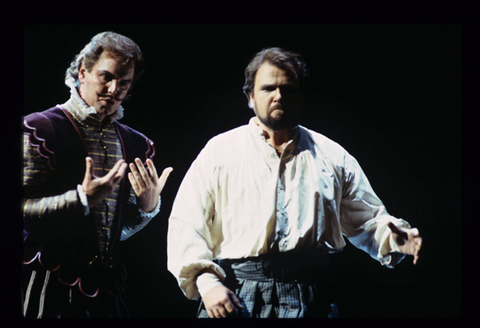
(417, 245)
(117, 167)
(415, 258)
(152, 169)
(117, 171)
(221, 313)
(136, 175)
(88, 168)
(210, 313)
(134, 183)
(214, 313)
(163, 178)
(236, 302)
(139, 172)
(229, 307)
(122, 169)
(143, 172)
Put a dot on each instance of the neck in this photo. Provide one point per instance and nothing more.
(106, 120)
(276, 139)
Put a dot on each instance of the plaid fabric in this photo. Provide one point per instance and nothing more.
(265, 293)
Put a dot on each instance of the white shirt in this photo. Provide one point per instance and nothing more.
(239, 197)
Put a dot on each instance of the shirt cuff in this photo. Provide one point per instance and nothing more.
(83, 199)
(151, 214)
(207, 281)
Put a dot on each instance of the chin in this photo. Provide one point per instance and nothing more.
(107, 111)
(283, 124)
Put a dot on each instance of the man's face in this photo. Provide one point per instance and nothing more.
(276, 98)
(107, 85)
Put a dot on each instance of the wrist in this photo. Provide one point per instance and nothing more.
(152, 212)
(207, 281)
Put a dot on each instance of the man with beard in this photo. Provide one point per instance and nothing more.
(77, 205)
(264, 204)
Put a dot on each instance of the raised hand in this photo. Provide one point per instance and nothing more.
(98, 188)
(146, 184)
(408, 240)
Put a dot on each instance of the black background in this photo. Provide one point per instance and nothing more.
(389, 93)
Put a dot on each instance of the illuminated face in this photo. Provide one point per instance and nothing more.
(276, 98)
(107, 85)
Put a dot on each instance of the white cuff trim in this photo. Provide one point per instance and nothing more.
(83, 199)
(151, 214)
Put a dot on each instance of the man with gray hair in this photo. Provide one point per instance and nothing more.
(263, 205)
(77, 207)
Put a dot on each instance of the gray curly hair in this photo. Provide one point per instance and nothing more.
(119, 45)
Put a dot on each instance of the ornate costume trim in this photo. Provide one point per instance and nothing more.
(84, 293)
(38, 257)
(150, 149)
(39, 143)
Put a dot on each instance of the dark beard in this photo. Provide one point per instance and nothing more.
(286, 122)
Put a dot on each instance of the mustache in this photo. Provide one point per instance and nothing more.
(109, 96)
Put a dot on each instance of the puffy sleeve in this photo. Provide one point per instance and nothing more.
(189, 234)
(39, 210)
(365, 219)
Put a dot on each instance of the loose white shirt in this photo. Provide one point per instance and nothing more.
(239, 197)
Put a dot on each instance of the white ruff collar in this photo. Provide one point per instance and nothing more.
(83, 105)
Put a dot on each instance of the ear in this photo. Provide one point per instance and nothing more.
(81, 73)
(251, 102)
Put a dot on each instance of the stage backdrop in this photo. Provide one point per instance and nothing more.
(390, 94)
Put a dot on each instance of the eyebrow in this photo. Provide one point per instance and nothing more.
(266, 85)
(106, 72)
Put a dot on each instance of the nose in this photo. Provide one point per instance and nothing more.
(277, 94)
(112, 87)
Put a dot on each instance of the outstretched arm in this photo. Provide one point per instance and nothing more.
(52, 210)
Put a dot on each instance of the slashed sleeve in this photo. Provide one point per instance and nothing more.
(51, 210)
